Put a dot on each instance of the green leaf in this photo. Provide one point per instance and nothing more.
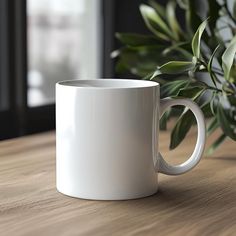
(233, 75)
(216, 144)
(192, 18)
(148, 76)
(228, 58)
(232, 100)
(155, 23)
(206, 109)
(179, 47)
(172, 20)
(234, 10)
(192, 92)
(209, 66)
(164, 119)
(158, 8)
(213, 101)
(214, 124)
(135, 40)
(181, 128)
(174, 67)
(220, 50)
(139, 61)
(196, 41)
(172, 88)
(120, 67)
(228, 88)
(226, 121)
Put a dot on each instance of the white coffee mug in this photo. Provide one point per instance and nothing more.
(107, 138)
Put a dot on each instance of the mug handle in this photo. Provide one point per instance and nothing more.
(165, 168)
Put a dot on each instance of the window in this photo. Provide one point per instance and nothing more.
(63, 43)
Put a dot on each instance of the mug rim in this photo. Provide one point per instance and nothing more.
(108, 83)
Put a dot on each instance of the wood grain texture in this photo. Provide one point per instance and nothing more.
(201, 202)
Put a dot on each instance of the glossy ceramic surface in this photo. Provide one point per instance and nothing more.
(107, 138)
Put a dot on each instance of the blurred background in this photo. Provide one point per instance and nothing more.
(42, 42)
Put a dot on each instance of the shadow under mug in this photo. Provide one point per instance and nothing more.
(107, 135)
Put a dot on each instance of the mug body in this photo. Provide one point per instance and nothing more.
(106, 138)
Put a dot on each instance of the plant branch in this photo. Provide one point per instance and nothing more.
(217, 69)
(213, 88)
(218, 72)
(213, 70)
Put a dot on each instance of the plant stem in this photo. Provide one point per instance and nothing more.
(218, 72)
(203, 63)
(216, 78)
(217, 69)
(215, 72)
(213, 88)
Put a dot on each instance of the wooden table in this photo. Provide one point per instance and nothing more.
(201, 202)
